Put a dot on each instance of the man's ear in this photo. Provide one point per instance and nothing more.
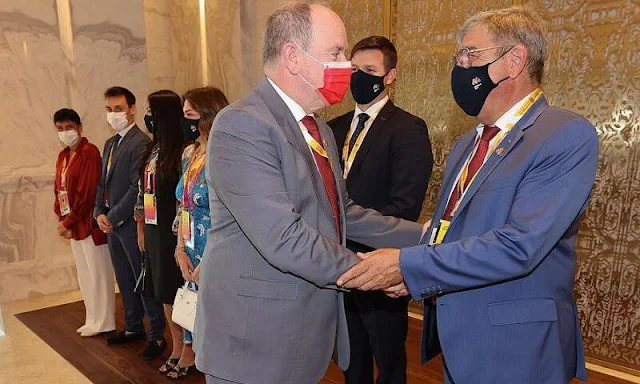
(291, 55)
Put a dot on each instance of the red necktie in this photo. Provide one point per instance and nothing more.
(474, 166)
(326, 173)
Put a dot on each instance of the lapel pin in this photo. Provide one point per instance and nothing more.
(500, 151)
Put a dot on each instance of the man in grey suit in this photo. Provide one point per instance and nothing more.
(269, 311)
(115, 198)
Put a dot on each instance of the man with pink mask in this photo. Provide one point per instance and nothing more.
(269, 311)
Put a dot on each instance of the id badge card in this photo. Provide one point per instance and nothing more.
(187, 230)
(63, 200)
(150, 209)
(443, 228)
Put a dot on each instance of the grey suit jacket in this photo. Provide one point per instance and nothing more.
(120, 184)
(268, 308)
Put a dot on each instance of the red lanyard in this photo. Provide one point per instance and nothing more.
(63, 172)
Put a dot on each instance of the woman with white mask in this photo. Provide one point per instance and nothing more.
(78, 171)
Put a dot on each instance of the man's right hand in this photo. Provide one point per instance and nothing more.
(104, 224)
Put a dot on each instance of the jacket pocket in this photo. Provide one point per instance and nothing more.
(522, 311)
(267, 289)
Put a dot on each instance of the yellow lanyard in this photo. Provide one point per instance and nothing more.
(533, 97)
(351, 156)
(111, 156)
(313, 143)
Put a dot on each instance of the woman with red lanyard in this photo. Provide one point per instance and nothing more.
(201, 105)
(156, 207)
(77, 174)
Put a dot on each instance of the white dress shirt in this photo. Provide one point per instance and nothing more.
(296, 110)
(373, 112)
(124, 132)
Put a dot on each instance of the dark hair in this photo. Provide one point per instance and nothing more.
(207, 101)
(66, 114)
(120, 91)
(381, 44)
(166, 113)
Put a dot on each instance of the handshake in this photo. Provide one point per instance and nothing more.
(378, 270)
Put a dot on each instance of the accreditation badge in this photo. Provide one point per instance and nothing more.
(186, 225)
(439, 232)
(150, 209)
(63, 201)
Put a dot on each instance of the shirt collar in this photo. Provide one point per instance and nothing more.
(124, 132)
(296, 110)
(508, 119)
(373, 109)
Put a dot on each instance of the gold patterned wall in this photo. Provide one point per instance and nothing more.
(593, 70)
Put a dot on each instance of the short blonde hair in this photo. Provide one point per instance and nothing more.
(515, 25)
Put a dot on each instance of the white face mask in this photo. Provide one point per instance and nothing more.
(118, 120)
(69, 138)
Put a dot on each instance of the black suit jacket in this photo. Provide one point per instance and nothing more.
(391, 170)
(120, 184)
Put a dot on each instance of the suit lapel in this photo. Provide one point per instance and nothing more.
(291, 130)
(372, 135)
(507, 144)
(466, 146)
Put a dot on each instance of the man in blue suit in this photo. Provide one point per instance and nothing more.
(498, 262)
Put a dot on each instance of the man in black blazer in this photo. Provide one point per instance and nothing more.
(387, 161)
(115, 198)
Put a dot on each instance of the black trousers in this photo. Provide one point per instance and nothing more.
(377, 329)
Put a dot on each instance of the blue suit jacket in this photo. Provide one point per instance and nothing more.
(504, 274)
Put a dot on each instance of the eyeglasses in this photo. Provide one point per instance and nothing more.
(464, 56)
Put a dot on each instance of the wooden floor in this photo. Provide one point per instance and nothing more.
(123, 364)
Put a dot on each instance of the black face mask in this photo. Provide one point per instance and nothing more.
(471, 86)
(366, 87)
(148, 121)
(190, 129)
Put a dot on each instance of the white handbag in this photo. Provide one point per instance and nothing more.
(184, 308)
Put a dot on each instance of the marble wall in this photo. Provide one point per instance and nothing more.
(192, 43)
(54, 54)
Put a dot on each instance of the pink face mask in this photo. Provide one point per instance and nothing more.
(337, 79)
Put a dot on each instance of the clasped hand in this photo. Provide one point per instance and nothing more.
(378, 270)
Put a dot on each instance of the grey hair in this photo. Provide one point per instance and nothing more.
(289, 23)
(515, 25)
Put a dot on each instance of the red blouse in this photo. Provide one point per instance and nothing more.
(83, 174)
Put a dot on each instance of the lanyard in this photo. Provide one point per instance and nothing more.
(196, 164)
(313, 143)
(150, 172)
(531, 99)
(113, 146)
(351, 156)
(63, 172)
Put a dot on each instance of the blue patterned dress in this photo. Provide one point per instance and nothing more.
(199, 213)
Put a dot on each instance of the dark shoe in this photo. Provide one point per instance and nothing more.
(168, 366)
(154, 349)
(181, 372)
(122, 337)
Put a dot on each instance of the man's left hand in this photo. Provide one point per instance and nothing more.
(379, 269)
